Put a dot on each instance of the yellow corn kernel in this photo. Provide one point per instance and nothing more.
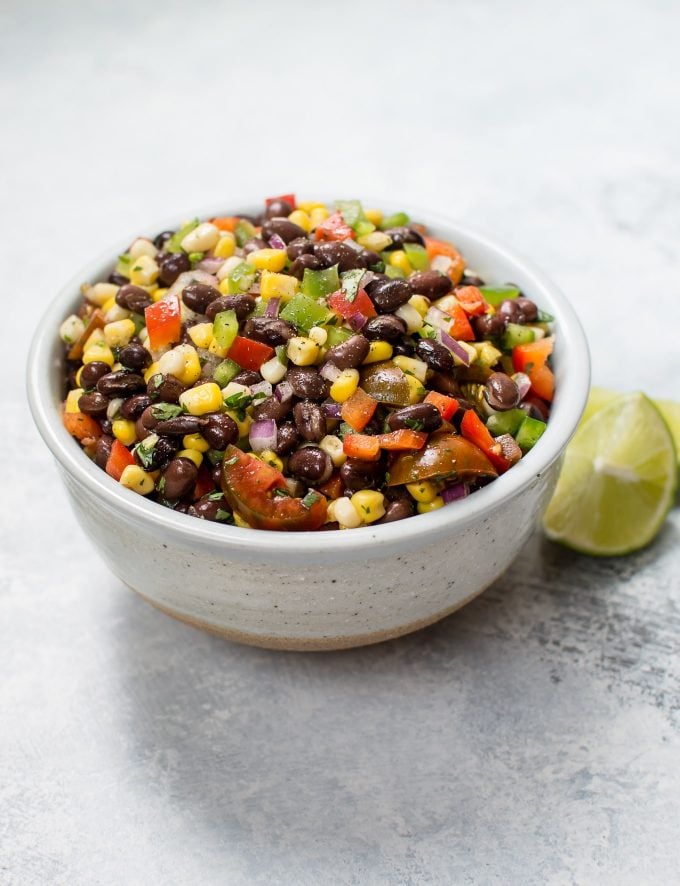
(411, 318)
(273, 285)
(224, 286)
(301, 218)
(273, 371)
(332, 446)
(144, 270)
(302, 351)
(243, 424)
(377, 351)
(152, 370)
(369, 505)
(202, 399)
(420, 303)
(192, 454)
(115, 313)
(137, 479)
(416, 391)
(342, 511)
(399, 260)
(96, 337)
(142, 246)
(79, 375)
(422, 491)
(411, 366)
(159, 293)
(271, 458)
(182, 362)
(202, 238)
(375, 216)
(195, 441)
(318, 334)
(100, 351)
(424, 507)
(308, 205)
(71, 329)
(239, 521)
(345, 385)
(119, 333)
(100, 293)
(375, 241)
(109, 303)
(216, 348)
(267, 259)
(124, 430)
(225, 246)
(201, 334)
(317, 215)
(227, 268)
(72, 398)
(487, 354)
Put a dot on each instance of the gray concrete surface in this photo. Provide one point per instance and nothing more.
(533, 738)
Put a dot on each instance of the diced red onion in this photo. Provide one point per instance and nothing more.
(283, 391)
(262, 434)
(331, 409)
(277, 242)
(440, 263)
(329, 371)
(211, 264)
(357, 321)
(272, 308)
(437, 317)
(454, 492)
(262, 387)
(455, 347)
(523, 382)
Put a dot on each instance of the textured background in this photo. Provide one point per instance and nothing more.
(534, 737)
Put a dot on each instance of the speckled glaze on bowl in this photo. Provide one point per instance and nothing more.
(317, 590)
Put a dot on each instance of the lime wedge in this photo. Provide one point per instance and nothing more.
(618, 480)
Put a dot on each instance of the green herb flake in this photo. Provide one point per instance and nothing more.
(415, 424)
(310, 499)
(282, 493)
(165, 411)
(144, 453)
(351, 281)
(231, 461)
(215, 496)
(223, 516)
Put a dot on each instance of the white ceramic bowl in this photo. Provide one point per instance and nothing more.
(317, 590)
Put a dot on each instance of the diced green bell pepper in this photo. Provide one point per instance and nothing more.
(174, 243)
(337, 335)
(243, 232)
(353, 214)
(225, 371)
(396, 220)
(319, 283)
(417, 256)
(123, 265)
(241, 278)
(225, 328)
(516, 335)
(497, 294)
(394, 273)
(505, 422)
(304, 312)
(529, 433)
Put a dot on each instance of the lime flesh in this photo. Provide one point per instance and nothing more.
(618, 480)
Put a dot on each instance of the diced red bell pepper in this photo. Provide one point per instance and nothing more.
(226, 222)
(361, 446)
(164, 321)
(358, 410)
(474, 430)
(460, 328)
(250, 485)
(289, 198)
(361, 304)
(334, 487)
(403, 439)
(531, 359)
(334, 228)
(204, 483)
(447, 406)
(119, 458)
(471, 300)
(441, 247)
(249, 354)
(81, 426)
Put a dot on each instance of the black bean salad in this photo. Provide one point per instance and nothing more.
(311, 367)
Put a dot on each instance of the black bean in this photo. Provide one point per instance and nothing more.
(120, 384)
(134, 356)
(403, 348)
(419, 417)
(103, 450)
(165, 388)
(430, 283)
(299, 246)
(396, 510)
(537, 408)
(197, 296)
(147, 419)
(337, 253)
(471, 280)
(242, 305)
(272, 408)
(310, 464)
(500, 392)
(302, 263)
(388, 295)
(509, 311)
(161, 453)
(93, 403)
(385, 327)
(287, 438)
(310, 421)
(247, 377)
(357, 474)
(307, 383)
(134, 406)
(278, 209)
(370, 259)
(285, 229)
(527, 309)
(106, 425)
(216, 474)
(219, 430)
(403, 235)
(210, 509)
(179, 426)
(269, 330)
(376, 280)
(179, 478)
(350, 353)
(133, 298)
(161, 239)
(254, 244)
(172, 266)
(92, 372)
(435, 355)
(488, 325)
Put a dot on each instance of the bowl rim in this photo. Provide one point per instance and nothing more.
(403, 535)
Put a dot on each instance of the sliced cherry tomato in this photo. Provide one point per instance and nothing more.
(164, 321)
(531, 359)
(249, 354)
(204, 483)
(334, 487)
(226, 222)
(334, 228)
(361, 304)
(447, 406)
(471, 300)
(403, 439)
(543, 382)
(441, 247)
(474, 429)
(460, 328)
(250, 486)
(446, 455)
(119, 458)
(81, 426)
(289, 198)
(361, 446)
(96, 321)
(358, 410)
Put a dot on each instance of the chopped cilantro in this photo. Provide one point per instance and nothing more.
(223, 515)
(415, 424)
(165, 411)
(310, 499)
(215, 496)
(350, 283)
(282, 493)
(145, 453)
(544, 317)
